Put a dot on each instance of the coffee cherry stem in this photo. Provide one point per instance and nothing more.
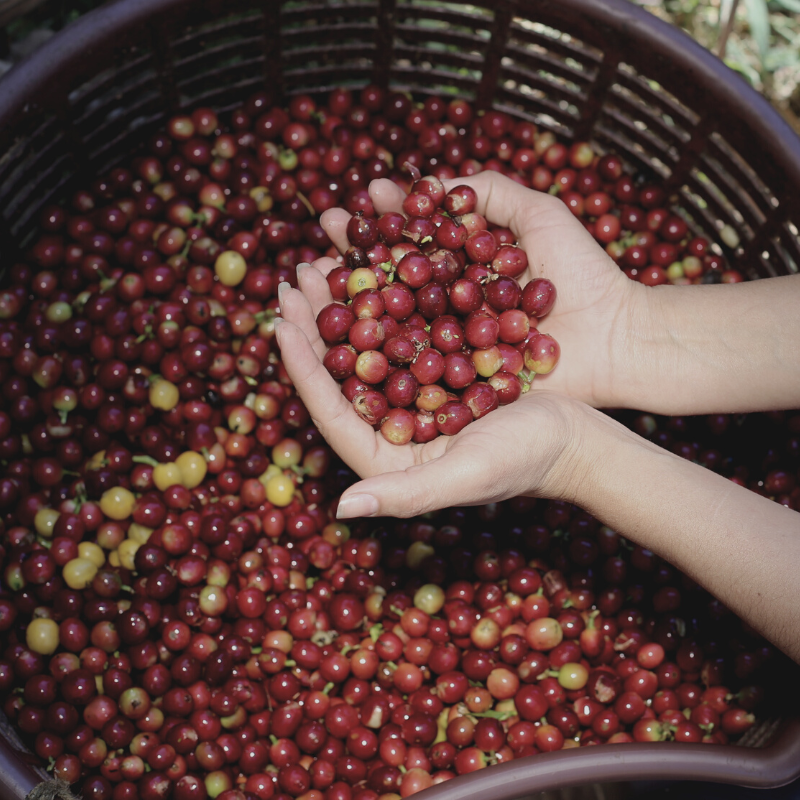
(493, 714)
(147, 460)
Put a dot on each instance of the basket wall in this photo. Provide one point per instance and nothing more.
(605, 71)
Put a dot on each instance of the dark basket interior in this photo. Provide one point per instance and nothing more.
(585, 69)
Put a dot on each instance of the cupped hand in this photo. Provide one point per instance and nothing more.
(531, 447)
(597, 310)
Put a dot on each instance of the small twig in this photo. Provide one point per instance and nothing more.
(726, 30)
(54, 789)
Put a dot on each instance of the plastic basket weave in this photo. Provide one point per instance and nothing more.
(586, 69)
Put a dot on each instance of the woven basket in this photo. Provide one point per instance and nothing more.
(585, 69)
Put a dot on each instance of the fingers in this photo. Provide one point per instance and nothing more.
(505, 202)
(502, 201)
(451, 479)
(386, 196)
(336, 419)
(313, 285)
(325, 265)
(334, 223)
(296, 309)
(551, 236)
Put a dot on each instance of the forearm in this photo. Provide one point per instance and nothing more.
(712, 349)
(741, 547)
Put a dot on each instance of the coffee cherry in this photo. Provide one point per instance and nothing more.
(230, 267)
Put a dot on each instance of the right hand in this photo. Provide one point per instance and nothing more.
(596, 304)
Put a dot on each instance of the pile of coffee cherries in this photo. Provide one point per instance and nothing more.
(433, 297)
(181, 614)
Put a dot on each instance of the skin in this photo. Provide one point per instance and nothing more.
(667, 350)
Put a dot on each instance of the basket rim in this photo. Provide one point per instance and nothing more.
(36, 78)
(759, 768)
(770, 767)
(37, 74)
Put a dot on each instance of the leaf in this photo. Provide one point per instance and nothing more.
(747, 72)
(781, 57)
(741, 62)
(789, 5)
(758, 19)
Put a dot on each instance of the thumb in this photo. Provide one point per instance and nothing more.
(449, 480)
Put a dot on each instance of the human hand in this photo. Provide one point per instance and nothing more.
(531, 447)
(596, 305)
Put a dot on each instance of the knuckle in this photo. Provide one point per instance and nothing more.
(550, 202)
(413, 507)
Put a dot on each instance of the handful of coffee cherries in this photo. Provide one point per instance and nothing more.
(430, 328)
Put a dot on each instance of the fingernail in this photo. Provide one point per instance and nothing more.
(283, 287)
(302, 265)
(276, 321)
(357, 505)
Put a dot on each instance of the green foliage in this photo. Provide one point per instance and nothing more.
(764, 43)
(758, 18)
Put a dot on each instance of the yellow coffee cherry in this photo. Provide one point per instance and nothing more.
(213, 600)
(92, 552)
(117, 503)
(360, 279)
(59, 311)
(165, 190)
(429, 598)
(79, 573)
(280, 490)
(97, 460)
(166, 475)
(127, 552)
(573, 675)
(113, 559)
(268, 474)
(44, 521)
(262, 197)
(192, 467)
(506, 707)
(287, 453)
(42, 637)
(417, 553)
(164, 395)
(675, 271)
(242, 420)
(230, 268)
(139, 533)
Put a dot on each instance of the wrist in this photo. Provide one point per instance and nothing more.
(601, 456)
(637, 358)
(589, 437)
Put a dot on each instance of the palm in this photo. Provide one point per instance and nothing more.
(591, 295)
